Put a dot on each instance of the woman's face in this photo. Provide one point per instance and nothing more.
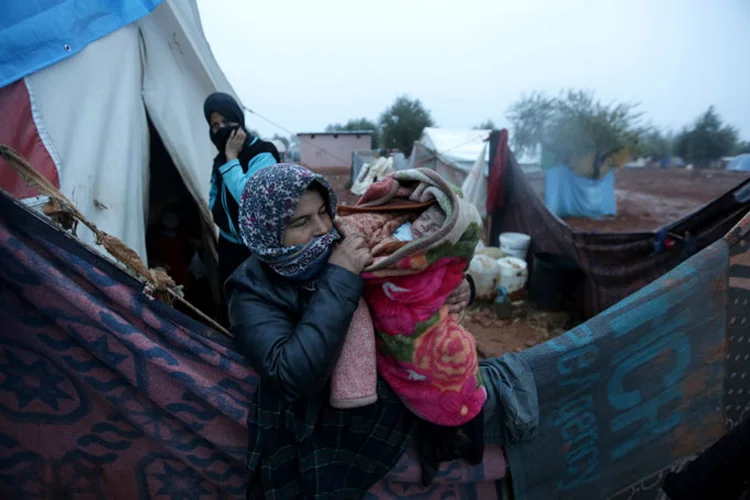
(218, 121)
(310, 220)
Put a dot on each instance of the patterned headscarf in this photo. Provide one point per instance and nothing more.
(268, 203)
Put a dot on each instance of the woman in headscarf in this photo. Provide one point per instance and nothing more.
(290, 307)
(241, 155)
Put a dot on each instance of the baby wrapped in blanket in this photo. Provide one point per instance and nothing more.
(421, 351)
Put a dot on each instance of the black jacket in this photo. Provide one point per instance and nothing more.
(290, 335)
(298, 445)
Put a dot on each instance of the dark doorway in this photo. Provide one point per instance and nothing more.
(177, 238)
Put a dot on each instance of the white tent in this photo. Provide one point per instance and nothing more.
(450, 152)
(80, 111)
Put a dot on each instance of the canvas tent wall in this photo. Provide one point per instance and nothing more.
(78, 86)
(450, 152)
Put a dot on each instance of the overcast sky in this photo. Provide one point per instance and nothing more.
(306, 64)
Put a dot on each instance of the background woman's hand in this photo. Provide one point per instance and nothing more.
(352, 254)
(234, 144)
(458, 300)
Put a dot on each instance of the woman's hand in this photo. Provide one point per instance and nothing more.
(234, 144)
(352, 254)
(458, 300)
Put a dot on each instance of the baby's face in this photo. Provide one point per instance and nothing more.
(429, 222)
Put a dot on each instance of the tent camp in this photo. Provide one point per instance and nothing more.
(450, 152)
(105, 100)
(139, 401)
(104, 391)
(108, 393)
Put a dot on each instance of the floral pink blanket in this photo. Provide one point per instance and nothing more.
(423, 352)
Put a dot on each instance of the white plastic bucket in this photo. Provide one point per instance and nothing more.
(513, 273)
(485, 271)
(515, 244)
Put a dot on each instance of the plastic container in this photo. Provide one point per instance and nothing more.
(513, 273)
(484, 271)
(493, 252)
(554, 278)
(515, 244)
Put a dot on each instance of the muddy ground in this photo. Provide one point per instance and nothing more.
(646, 200)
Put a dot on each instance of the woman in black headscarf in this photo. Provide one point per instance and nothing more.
(241, 155)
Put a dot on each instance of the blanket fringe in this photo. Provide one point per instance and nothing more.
(156, 280)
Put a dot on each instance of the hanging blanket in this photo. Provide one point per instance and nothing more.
(423, 353)
(107, 394)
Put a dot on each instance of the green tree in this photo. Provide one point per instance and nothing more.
(485, 125)
(655, 144)
(531, 119)
(573, 125)
(707, 141)
(357, 124)
(403, 122)
(742, 147)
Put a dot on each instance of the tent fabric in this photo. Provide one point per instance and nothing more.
(179, 72)
(474, 187)
(615, 265)
(461, 147)
(496, 177)
(37, 34)
(370, 173)
(105, 393)
(642, 387)
(19, 128)
(359, 160)
(158, 68)
(101, 135)
(567, 194)
(736, 404)
(450, 152)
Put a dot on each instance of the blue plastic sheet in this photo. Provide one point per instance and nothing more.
(37, 34)
(569, 195)
(740, 163)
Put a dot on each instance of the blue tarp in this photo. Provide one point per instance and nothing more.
(740, 164)
(35, 34)
(567, 194)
